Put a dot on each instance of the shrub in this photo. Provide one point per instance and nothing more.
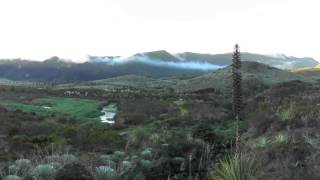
(126, 165)
(107, 160)
(178, 160)
(118, 155)
(44, 172)
(13, 169)
(155, 138)
(100, 137)
(12, 177)
(140, 135)
(146, 154)
(68, 158)
(56, 165)
(105, 173)
(146, 164)
(105, 157)
(310, 140)
(288, 114)
(280, 138)
(54, 158)
(23, 162)
(134, 158)
(261, 121)
(227, 130)
(205, 132)
(139, 176)
(73, 171)
(237, 167)
(264, 105)
(24, 165)
(110, 163)
(63, 159)
(263, 142)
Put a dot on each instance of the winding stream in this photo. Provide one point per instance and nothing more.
(110, 112)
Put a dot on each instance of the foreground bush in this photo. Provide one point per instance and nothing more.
(12, 177)
(105, 173)
(74, 171)
(237, 167)
(68, 158)
(24, 166)
(44, 172)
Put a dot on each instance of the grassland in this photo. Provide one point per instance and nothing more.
(133, 81)
(81, 109)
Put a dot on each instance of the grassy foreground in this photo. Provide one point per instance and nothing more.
(75, 108)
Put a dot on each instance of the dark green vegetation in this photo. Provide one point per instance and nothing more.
(165, 132)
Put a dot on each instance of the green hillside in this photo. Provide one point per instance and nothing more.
(313, 72)
(133, 81)
(252, 73)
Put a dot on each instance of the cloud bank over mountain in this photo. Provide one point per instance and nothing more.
(169, 63)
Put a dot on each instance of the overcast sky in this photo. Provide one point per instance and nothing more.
(38, 29)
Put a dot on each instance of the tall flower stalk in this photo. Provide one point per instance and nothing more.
(237, 93)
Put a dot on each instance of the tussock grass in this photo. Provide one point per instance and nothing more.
(237, 167)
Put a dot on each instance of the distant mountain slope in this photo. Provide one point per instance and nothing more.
(279, 61)
(254, 75)
(59, 71)
(133, 81)
(156, 64)
(159, 55)
(313, 72)
(162, 57)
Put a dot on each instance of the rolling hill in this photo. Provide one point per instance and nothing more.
(254, 75)
(132, 81)
(313, 72)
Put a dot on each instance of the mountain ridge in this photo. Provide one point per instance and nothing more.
(279, 60)
(156, 64)
(219, 59)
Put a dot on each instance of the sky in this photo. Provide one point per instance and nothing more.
(73, 29)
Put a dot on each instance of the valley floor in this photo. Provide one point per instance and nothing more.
(157, 134)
